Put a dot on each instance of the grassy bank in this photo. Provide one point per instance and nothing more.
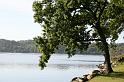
(116, 76)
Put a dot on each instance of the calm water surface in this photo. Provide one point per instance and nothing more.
(23, 67)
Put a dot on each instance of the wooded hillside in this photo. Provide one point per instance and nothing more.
(24, 46)
(28, 46)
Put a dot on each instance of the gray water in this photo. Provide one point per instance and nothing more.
(23, 67)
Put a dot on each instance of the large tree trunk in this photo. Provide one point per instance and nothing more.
(103, 38)
(105, 48)
(106, 52)
(107, 57)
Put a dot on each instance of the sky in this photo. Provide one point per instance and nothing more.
(16, 20)
(17, 23)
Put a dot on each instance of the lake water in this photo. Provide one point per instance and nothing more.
(23, 67)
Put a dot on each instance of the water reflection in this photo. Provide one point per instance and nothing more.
(70, 66)
(57, 66)
(87, 60)
(59, 62)
(24, 67)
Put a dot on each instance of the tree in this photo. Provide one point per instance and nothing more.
(76, 24)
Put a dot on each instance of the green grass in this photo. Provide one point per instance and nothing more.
(116, 76)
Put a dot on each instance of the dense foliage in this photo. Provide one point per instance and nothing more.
(76, 24)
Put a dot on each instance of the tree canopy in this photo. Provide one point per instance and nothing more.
(77, 23)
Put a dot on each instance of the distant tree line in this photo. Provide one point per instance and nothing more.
(91, 50)
(23, 46)
(28, 46)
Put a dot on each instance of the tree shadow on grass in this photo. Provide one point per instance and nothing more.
(115, 75)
